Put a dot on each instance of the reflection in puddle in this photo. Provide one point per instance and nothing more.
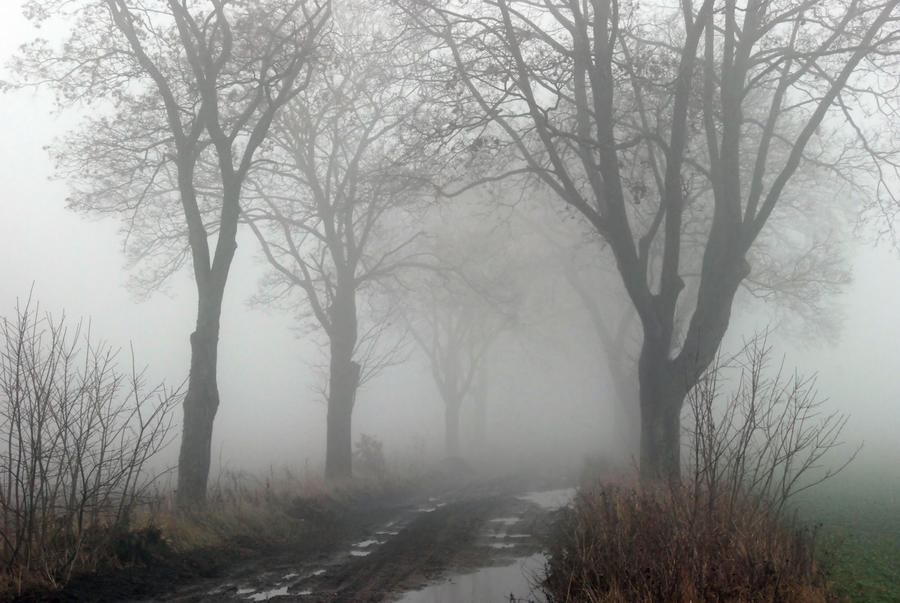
(268, 594)
(551, 500)
(359, 553)
(507, 521)
(486, 585)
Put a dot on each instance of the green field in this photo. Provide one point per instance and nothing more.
(859, 537)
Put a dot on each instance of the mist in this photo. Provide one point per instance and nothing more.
(552, 369)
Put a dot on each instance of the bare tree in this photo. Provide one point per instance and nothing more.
(455, 314)
(184, 93)
(455, 336)
(330, 208)
(718, 102)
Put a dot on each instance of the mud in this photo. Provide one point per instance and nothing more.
(382, 549)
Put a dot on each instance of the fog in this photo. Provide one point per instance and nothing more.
(548, 394)
(446, 293)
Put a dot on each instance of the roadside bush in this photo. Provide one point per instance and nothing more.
(637, 543)
(76, 435)
(727, 531)
(368, 458)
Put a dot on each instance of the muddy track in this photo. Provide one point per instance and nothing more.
(422, 544)
(429, 544)
(374, 551)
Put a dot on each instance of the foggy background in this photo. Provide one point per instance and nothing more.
(546, 400)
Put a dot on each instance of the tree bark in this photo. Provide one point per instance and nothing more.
(200, 405)
(202, 399)
(342, 385)
(665, 382)
(662, 395)
(451, 424)
(342, 394)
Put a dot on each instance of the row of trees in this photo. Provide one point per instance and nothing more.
(673, 135)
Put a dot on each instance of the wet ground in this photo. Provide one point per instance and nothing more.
(475, 542)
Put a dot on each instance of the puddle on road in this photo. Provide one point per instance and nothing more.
(266, 592)
(281, 591)
(499, 584)
(487, 585)
(507, 521)
(550, 500)
(265, 595)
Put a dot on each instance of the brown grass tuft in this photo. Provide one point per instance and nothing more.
(638, 543)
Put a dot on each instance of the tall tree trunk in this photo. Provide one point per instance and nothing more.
(200, 405)
(625, 388)
(202, 399)
(662, 395)
(451, 425)
(342, 385)
(480, 421)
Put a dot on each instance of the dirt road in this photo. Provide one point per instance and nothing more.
(403, 548)
(415, 545)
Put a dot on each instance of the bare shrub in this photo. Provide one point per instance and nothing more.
(76, 435)
(369, 459)
(765, 441)
(727, 532)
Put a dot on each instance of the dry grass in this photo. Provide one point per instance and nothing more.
(268, 511)
(244, 514)
(634, 543)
